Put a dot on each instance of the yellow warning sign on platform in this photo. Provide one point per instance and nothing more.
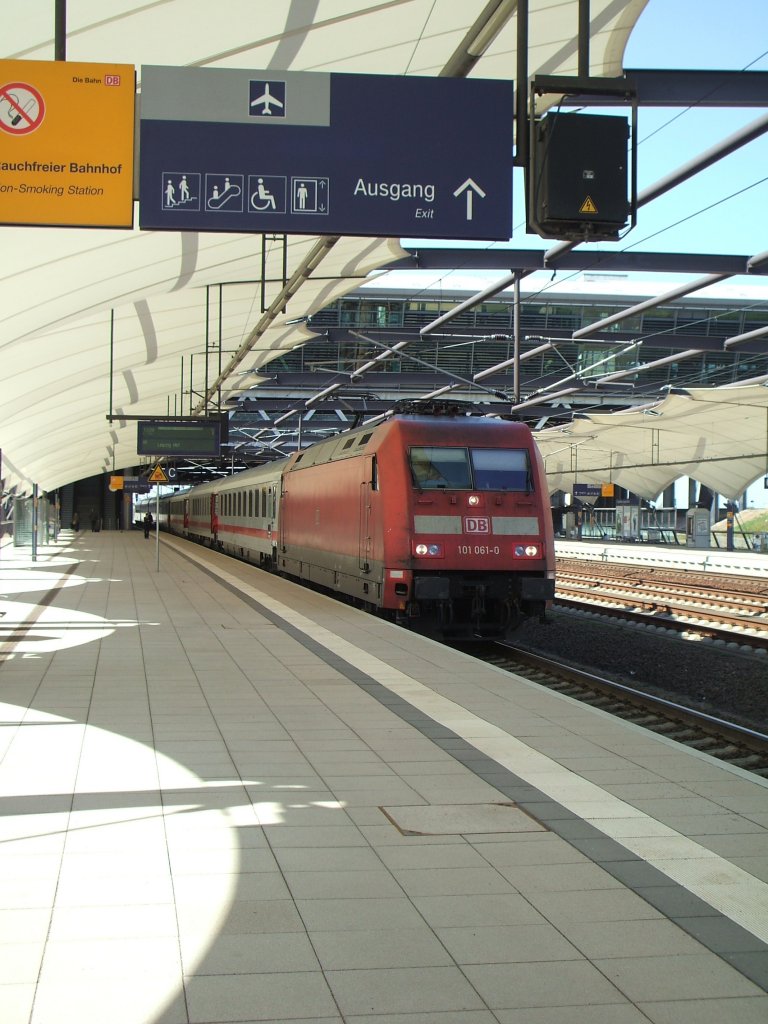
(588, 206)
(157, 476)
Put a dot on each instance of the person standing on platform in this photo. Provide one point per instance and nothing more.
(94, 520)
(148, 521)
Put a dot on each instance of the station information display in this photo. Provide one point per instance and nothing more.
(192, 438)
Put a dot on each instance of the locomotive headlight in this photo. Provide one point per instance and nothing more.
(527, 551)
(473, 500)
(430, 550)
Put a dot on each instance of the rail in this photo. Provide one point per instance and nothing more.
(738, 745)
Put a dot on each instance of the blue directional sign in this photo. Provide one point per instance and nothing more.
(325, 154)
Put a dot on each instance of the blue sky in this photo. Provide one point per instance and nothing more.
(722, 209)
(725, 208)
(701, 34)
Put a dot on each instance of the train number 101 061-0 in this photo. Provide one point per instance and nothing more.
(478, 549)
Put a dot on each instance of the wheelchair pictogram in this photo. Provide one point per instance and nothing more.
(266, 193)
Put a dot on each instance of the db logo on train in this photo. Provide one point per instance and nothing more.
(477, 524)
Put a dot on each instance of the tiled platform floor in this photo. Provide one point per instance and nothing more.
(226, 799)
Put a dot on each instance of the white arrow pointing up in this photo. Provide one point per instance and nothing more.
(469, 186)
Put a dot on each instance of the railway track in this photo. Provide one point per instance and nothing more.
(731, 609)
(746, 748)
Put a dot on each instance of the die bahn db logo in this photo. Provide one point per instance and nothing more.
(477, 524)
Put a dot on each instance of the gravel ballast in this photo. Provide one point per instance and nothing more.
(726, 681)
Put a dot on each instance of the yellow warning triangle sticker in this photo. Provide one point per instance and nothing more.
(157, 476)
(588, 206)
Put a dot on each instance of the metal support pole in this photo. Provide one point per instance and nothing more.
(263, 273)
(221, 346)
(583, 38)
(521, 98)
(111, 360)
(207, 342)
(516, 354)
(157, 527)
(34, 522)
(60, 30)
(729, 527)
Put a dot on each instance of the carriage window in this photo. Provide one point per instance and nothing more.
(440, 467)
(501, 469)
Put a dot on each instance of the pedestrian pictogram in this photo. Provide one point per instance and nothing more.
(22, 108)
(588, 206)
(157, 476)
(181, 191)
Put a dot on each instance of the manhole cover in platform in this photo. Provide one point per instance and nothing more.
(461, 819)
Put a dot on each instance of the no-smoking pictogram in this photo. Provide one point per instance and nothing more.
(21, 108)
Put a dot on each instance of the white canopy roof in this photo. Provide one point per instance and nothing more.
(65, 295)
(716, 435)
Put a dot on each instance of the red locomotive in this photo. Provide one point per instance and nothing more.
(441, 522)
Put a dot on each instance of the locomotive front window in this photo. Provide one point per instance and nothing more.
(501, 469)
(440, 467)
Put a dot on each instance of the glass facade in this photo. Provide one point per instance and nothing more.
(483, 337)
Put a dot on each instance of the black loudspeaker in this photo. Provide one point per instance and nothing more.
(578, 179)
